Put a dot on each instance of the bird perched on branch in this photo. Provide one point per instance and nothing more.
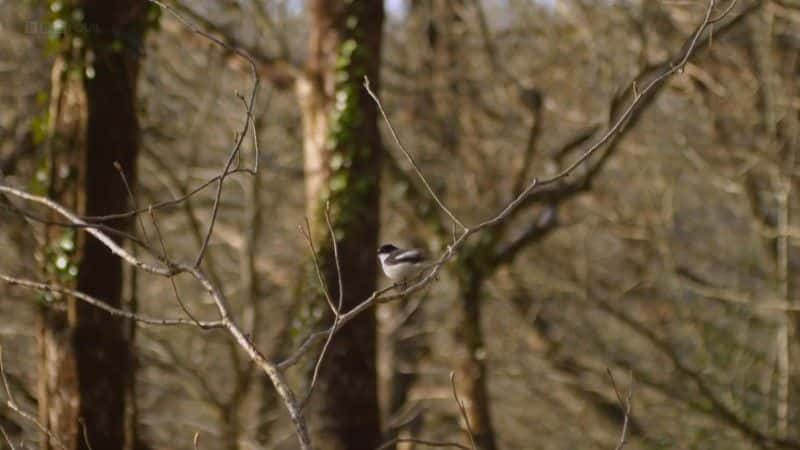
(399, 264)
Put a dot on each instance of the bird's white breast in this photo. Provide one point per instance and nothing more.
(399, 271)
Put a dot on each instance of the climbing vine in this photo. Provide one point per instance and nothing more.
(348, 188)
(77, 44)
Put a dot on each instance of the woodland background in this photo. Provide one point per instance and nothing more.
(669, 258)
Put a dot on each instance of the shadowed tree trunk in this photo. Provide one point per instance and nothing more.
(470, 358)
(342, 154)
(86, 354)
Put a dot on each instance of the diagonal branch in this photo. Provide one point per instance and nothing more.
(45, 287)
(411, 158)
(545, 224)
(638, 96)
(249, 106)
(424, 207)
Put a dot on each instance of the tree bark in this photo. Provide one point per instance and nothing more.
(86, 354)
(471, 373)
(342, 166)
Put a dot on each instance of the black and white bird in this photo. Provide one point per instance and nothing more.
(399, 264)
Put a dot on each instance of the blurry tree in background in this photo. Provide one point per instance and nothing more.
(342, 151)
(670, 255)
(86, 362)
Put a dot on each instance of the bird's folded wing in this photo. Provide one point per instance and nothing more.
(407, 256)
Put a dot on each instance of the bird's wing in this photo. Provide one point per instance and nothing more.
(407, 256)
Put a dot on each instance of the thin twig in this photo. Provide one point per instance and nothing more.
(256, 151)
(723, 13)
(110, 243)
(336, 311)
(44, 287)
(626, 114)
(240, 136)
(468, 430)
(625, 405)
(409, 157)
(8, 440)
(315, 259)
(270, 369)
(166, 203)
(132, 197)
(171, 278)
(12, 404)
(463, 411)
(30, 217)
(85, 433)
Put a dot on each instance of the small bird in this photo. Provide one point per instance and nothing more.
(399, 264)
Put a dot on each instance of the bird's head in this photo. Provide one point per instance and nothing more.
(386, 249)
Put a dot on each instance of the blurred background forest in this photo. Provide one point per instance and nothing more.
(670, 258)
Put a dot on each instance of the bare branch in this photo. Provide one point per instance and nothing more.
(315, 259)
(31, 218)
(172, 269)
(99, 235)
(531, 146)
(15, 407)
(463, 411)
(544, 225)
(44, 287)
(85, 433)
(167, 203)
(171, 278)
(336, 310)
(240, 136)
(625, 405)
(410, 158)
(132, 197)
(468, 428)
(8, 440)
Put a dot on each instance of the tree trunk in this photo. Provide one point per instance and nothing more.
(86, 354)
(342, 155)
(471, 360)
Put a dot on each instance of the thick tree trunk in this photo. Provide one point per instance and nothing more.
(471, 375)
(342, 155)
(59, 394)
(86, 363)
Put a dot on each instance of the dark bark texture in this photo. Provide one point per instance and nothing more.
(86, 348)
(471, 372)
